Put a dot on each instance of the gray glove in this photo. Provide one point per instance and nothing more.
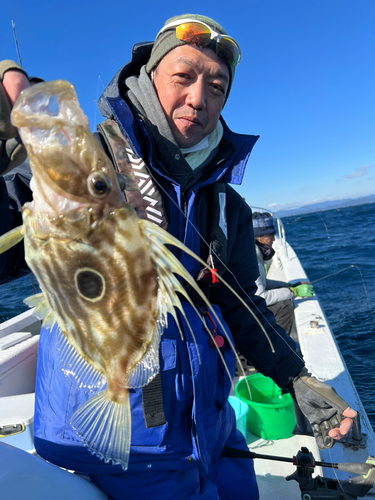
(329, 415)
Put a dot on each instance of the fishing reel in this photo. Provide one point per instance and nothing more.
(326, 489)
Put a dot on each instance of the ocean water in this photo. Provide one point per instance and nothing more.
(337, 250)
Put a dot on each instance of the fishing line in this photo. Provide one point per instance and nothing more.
(32, 282)
(335, 473)
(226, 268)
(97, 96)
(96, 101)
(332, 262)
(363, 283)
(341, 316)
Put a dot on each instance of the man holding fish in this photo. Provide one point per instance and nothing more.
(164, 135)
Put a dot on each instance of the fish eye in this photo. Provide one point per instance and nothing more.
(99, 184)
(90, 284)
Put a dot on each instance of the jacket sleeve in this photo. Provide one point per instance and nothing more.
(14, 192)
(272, 291)
(242, 273)
(272, 295)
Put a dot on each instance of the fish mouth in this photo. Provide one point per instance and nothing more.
(66, 160)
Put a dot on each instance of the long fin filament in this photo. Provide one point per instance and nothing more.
(164, 259)
(11, 238)
(160, 236)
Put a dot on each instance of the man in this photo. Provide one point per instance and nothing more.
(277, 294)
(163, 119)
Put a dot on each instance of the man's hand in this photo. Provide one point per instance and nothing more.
(330, 417)
(12, 82)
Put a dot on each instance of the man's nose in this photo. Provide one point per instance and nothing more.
(196, 95)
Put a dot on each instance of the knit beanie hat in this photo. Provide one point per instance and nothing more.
(167, 41)
(263, 224)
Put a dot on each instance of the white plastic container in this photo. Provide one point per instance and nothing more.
(17, 421)
(18, 368)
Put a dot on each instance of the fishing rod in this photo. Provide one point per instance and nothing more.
(320, 488)
(354, 468)
(332, 274)
(15, 39)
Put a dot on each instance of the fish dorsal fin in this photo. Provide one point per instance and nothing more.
(75, 368)
(167, 264)
(148, 367)
(159, 238)
(11, 238)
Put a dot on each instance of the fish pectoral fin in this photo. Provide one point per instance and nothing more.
(148, 367)
(11, 238)
(43, 310)
(75, 368)
(35, 300)
(105, 427)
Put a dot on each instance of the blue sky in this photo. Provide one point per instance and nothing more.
(306, 82)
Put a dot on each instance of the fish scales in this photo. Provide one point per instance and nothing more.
(129, 276)
(106, 275)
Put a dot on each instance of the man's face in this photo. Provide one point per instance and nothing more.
(191, 85)
(267, 239)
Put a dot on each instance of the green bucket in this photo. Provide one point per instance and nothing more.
(271, 414)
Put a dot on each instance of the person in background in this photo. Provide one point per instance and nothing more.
(277, 294)
(164, 107)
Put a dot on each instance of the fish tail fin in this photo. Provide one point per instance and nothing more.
(105, 427)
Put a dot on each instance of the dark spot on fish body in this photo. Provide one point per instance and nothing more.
(52, 266)
(90, 284)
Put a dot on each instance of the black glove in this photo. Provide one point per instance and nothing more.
(329, 415)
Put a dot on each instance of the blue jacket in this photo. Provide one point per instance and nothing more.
(199, 421)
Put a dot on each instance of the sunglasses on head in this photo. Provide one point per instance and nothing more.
(200, 34)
